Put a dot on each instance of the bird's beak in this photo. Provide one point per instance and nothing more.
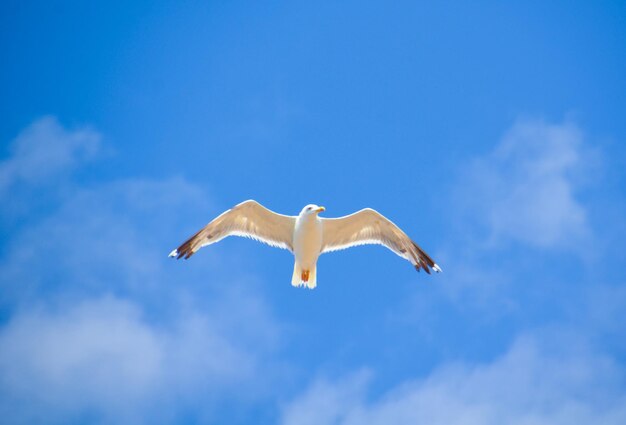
(320, 209)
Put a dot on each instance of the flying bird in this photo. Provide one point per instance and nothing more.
(307, 236)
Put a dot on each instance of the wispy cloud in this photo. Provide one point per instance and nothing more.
(106, 357)
(516, 205)
(552, 378)
(525, 189)
(107, 237)
(46, 148)
(328, 401)
(100, 324)
(516, 208)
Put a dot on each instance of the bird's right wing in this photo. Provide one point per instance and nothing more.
(370, 227)
(248, 219)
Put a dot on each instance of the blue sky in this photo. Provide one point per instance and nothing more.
(492, 133)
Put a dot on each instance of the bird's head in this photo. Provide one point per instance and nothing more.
(311, 209)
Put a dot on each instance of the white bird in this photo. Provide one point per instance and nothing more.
(307, 236)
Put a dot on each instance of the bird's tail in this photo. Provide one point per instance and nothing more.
(303, 277)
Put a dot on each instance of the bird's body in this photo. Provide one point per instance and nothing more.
(307, 247)
(307, 236)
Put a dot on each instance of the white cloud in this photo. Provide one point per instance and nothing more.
(327, 402)
(105, 357)
(111, 237)
(515, 210)
(100, 325)
(525, 189)
(45, 149)
(542, 379)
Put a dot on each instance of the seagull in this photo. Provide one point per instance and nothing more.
(307, 236)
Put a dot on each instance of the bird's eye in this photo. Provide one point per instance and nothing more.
(308, 208)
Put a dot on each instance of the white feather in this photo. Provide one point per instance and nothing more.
(370, 227)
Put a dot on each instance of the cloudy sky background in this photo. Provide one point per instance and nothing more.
(492, 134)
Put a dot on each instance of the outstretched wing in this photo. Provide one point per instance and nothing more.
(248, 219)
(370, 227)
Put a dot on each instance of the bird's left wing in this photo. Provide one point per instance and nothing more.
(248, 219)
(370, 227)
